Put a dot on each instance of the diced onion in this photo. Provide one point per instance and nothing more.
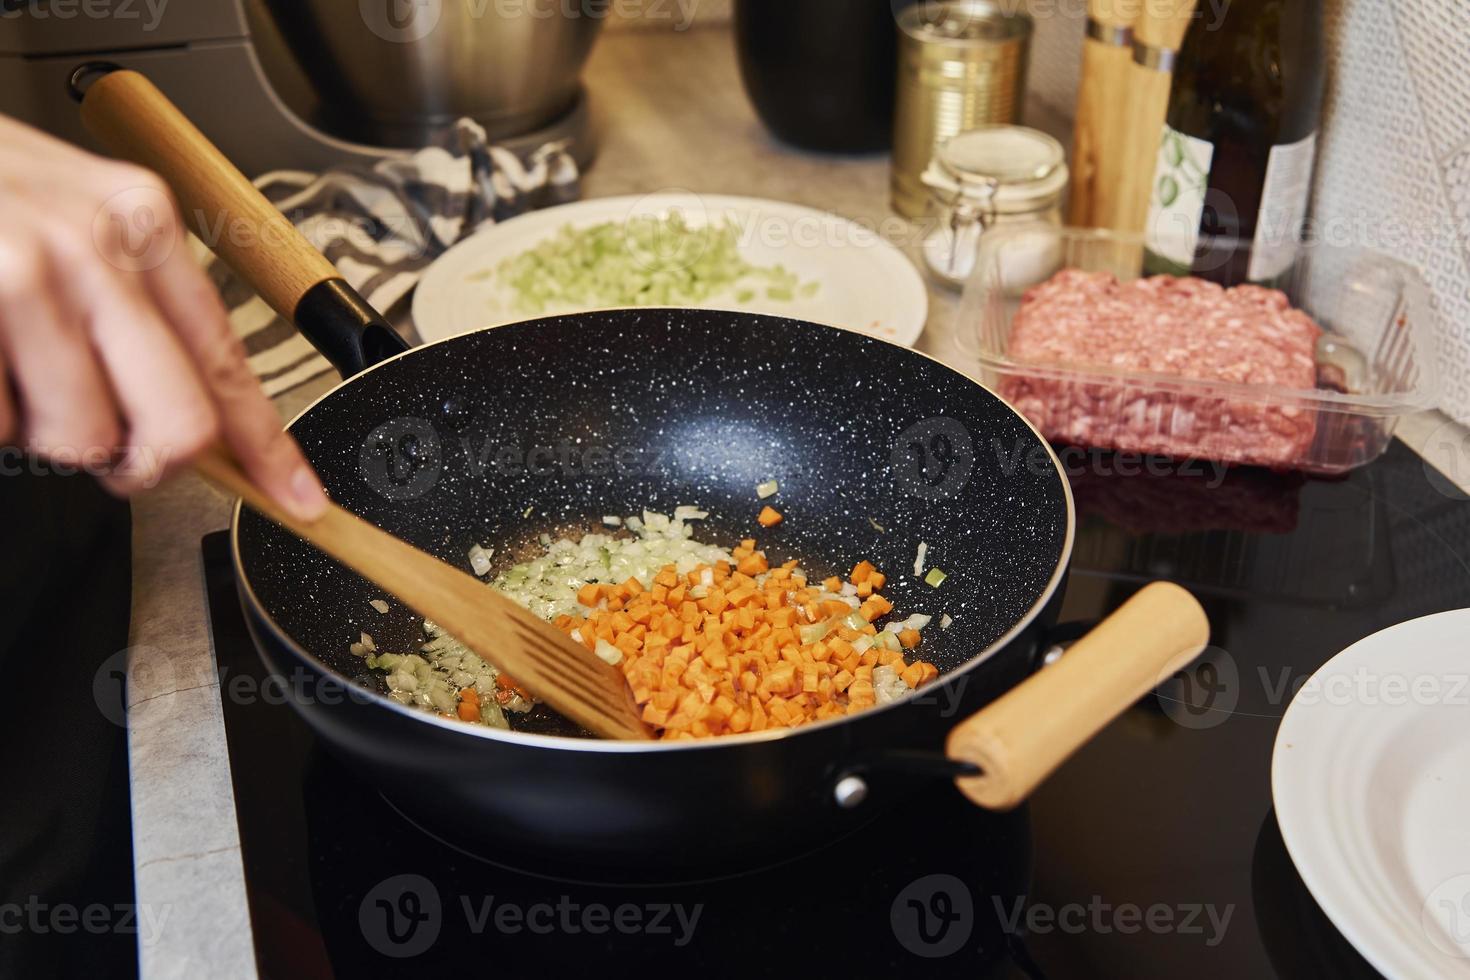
(888, 684)
(917, 621)
(606, 651)
(368, 644)
(548, 585)
(613, 520)
(480, 560)
(380, 605)
(919, 557)
(945, 620)
(814, 632)
(767, 489)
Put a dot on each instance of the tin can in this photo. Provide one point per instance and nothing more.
(961, 65)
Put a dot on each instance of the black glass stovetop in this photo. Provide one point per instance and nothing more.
(1154, 852)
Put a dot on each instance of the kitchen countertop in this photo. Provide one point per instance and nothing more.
(663, 101)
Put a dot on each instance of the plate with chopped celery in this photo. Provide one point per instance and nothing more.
(675, 249)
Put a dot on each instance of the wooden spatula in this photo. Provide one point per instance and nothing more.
(549, 664)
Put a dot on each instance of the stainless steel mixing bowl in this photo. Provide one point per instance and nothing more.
(390, 71)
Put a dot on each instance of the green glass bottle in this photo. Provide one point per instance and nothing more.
(1233, 178)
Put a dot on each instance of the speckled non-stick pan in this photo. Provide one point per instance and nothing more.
(495, 437)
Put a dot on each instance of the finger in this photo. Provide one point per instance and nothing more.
(168, 416)
(66, 406)
(249, 423)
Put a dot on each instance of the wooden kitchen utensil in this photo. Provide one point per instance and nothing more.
(1156, 38)
(127, 112)
(1105, 107)
(548, 663)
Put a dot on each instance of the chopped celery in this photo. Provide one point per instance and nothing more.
(644, 261)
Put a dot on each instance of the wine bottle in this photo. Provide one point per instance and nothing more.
(1234, 171)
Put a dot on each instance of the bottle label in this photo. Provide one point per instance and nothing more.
(1283, 208)
(1177, 202)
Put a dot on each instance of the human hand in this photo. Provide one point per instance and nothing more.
(120, 358)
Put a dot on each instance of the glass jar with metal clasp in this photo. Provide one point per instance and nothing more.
(986, 177)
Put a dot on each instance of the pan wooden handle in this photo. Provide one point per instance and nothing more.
(1025, 734)
(127, 113)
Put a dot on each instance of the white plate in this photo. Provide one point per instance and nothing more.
(1371, 779)
(866, 284)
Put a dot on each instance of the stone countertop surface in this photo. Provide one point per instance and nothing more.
(671, 115)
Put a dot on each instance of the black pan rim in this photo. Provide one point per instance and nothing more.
(599, 745)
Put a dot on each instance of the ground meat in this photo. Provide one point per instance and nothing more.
(1183, 327)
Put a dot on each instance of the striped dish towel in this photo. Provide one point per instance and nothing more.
(382, 226)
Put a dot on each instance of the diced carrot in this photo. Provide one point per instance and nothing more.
(753, 564)
(769, 517)
(875, 607)
(732, 660)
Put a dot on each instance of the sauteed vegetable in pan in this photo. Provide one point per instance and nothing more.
(495, 438)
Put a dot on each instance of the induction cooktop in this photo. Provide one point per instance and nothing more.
(1152, 853)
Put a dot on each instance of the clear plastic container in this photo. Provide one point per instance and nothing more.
(1374, 362)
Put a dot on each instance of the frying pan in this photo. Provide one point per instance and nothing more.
(499, 436)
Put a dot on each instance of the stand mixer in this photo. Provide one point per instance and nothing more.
(292, 84)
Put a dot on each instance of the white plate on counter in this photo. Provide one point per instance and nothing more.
(1371, 781)
(863, 282)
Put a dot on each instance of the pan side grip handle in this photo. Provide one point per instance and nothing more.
(1018, 739)
(128, 114)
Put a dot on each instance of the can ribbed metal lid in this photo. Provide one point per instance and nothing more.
(963, 21)
(1017, 164)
